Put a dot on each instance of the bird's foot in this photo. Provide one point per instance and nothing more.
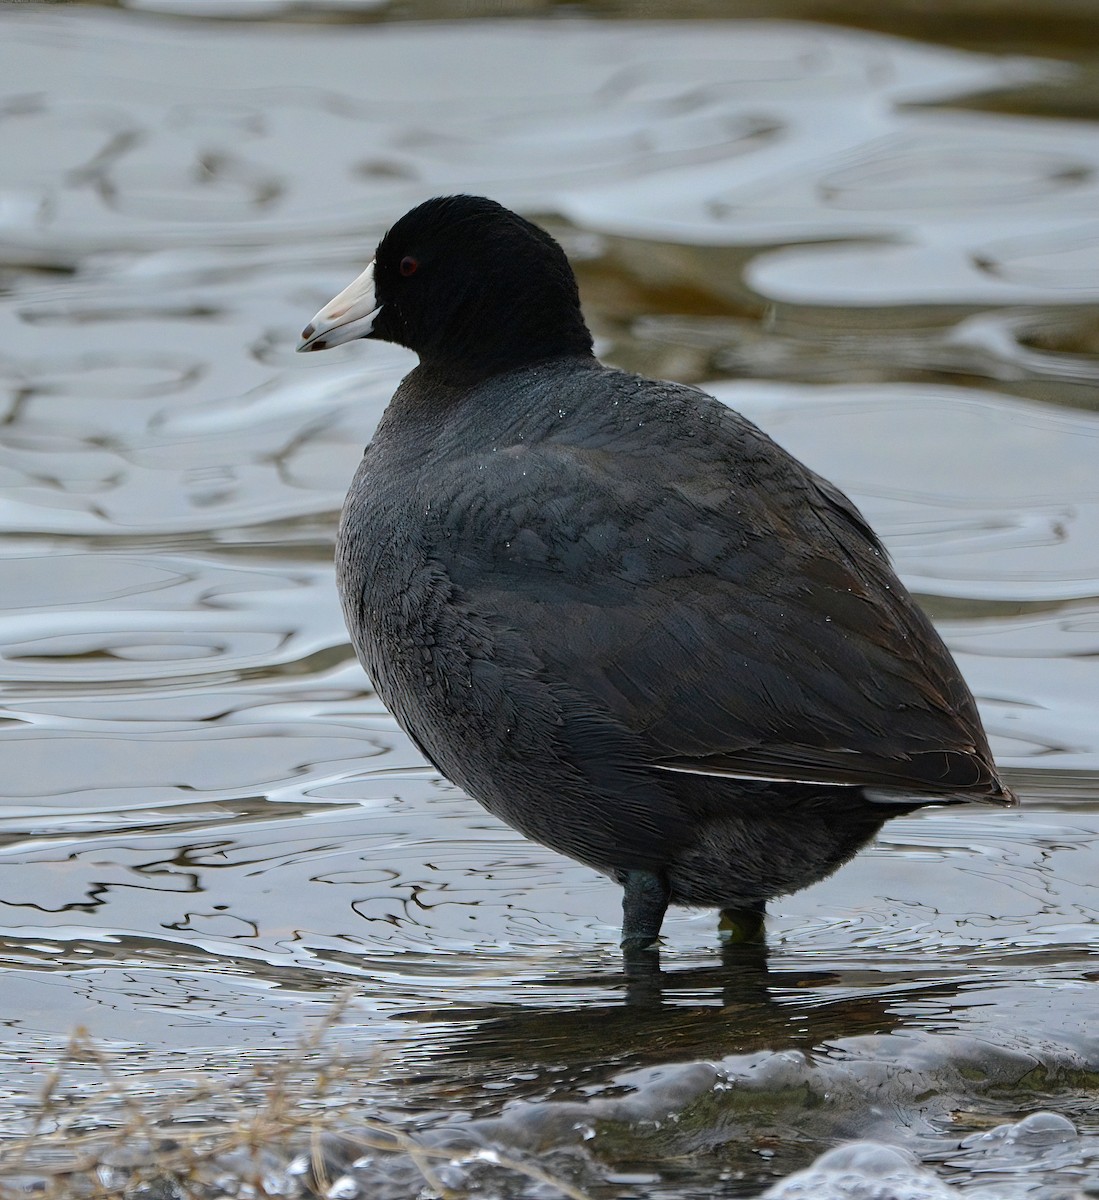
(740, 926)
(644, 902)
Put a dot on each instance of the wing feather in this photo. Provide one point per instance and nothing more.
(739, 617)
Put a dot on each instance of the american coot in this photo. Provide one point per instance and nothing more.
(611, 608)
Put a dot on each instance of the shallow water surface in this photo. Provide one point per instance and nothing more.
(210, 828)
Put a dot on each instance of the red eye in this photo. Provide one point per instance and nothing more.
(408, 266)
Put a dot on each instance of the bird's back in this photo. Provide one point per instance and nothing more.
(638, 552)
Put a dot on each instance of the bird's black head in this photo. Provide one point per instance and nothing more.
(468, 285)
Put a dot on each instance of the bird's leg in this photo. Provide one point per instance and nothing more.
(644, 902)
(739, 925)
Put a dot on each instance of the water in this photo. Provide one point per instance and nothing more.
(879, 249)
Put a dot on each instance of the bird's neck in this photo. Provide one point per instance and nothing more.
(472, 346)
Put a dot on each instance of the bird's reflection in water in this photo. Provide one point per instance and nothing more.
(652, 1016)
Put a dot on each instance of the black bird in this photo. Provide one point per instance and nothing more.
(611, 608)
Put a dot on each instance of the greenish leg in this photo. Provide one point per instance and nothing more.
(644, 902)
(742, 925)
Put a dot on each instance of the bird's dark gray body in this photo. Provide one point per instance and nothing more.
(612, 609)
(619, 616)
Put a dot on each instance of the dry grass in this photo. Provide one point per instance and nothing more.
(281, 1130)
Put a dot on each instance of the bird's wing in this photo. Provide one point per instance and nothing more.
(740, 618)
